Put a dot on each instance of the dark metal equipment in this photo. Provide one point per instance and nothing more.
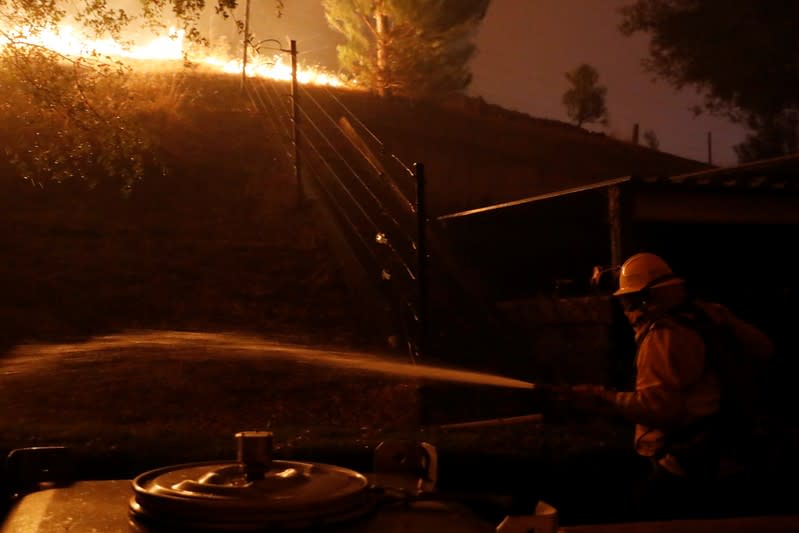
(254, 492)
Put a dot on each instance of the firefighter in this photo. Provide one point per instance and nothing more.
(676, 401)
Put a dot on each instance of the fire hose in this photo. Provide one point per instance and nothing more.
(551, 395)
(536, 418)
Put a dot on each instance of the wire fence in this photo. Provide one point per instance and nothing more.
(346, 165)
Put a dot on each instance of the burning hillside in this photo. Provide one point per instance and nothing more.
(68, 119)
(169, 51)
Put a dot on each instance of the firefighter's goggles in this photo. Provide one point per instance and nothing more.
(632, 301)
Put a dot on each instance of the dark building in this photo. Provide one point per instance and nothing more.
(731, 232)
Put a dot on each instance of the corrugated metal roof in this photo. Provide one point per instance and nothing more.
(767, 175)
(775, 174)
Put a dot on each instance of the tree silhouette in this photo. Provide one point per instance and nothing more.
(417, 48)
(741, 54)
(585, 100)
(651, 140)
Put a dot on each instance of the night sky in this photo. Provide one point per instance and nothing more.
(525, 47)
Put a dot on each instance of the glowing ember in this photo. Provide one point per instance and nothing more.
(169, 48)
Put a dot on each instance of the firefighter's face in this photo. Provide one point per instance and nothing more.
(634, 305)
(632, 301)
(634, 317)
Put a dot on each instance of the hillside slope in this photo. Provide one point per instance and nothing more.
(219, 243)
(476, 154)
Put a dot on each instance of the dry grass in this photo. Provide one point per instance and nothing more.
(215, 242)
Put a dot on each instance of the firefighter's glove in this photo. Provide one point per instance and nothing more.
(589, 398)
(552, 400)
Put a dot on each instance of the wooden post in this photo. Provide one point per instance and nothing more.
(615, 220)
(635, 133)
(382, 64)
(246, 44)
(621, 221)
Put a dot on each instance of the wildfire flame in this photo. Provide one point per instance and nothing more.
(171, 47)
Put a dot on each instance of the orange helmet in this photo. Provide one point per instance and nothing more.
(645, 271)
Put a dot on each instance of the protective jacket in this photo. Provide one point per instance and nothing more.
(677, 393)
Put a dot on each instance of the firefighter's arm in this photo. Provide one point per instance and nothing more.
(591, 398)
(670, 360)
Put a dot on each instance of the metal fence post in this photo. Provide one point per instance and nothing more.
(295, 118)
(421, 254)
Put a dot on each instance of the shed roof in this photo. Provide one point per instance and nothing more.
(770, 177)
(776, 174)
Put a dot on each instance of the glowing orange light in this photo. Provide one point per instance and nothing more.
(164, 49)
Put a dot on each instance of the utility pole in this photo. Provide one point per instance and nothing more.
(709, 148)
(246, 44)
